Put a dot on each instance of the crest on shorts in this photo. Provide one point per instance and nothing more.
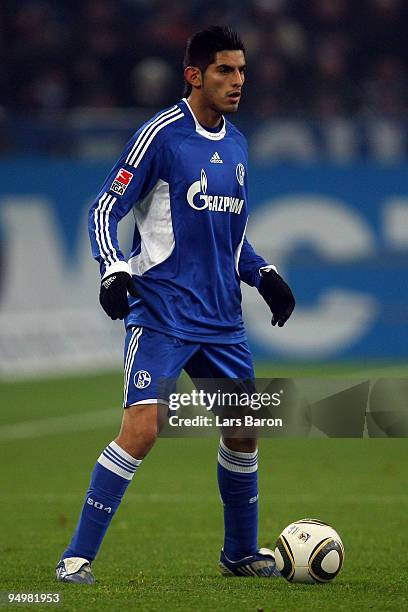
(142, 379)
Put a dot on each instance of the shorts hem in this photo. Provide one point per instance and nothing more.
(147, 401)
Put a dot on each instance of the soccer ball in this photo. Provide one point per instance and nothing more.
(309, 551)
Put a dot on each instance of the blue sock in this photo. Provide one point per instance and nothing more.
(238, 483)
(111, 476)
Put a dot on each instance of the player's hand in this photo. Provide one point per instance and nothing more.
(113, 294)
(277, 295)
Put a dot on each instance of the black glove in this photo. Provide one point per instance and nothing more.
(277, 295)
(113, 294)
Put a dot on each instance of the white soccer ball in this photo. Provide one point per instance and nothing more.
(309, 551)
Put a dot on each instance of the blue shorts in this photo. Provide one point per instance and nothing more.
(151, 357)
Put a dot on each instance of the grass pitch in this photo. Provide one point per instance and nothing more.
(162, 548)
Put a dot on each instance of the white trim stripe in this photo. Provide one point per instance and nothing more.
(135, 330)
(239, 469)
(238, 250)
(106, 453)
(267, 268)
(104, 203)
(202, 131)
(140, 153)
(117, 460)
(132, 352)
(150, 401)
(109, 465)
(234, 461)
(147, 130)
(154, 222)
(119, 450)
(108, 236)
(118, 266)
(110, 454)
(101, 220)
(142, 133)
(232, 467)
(131, 344)
(145, 135)
(98, 235)
(238, 454)
(227, 454)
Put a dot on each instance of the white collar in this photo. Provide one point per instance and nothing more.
(202, 131)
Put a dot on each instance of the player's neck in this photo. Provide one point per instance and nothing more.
(207, 117)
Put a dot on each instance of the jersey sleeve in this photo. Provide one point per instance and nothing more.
(128, 182)
(250, 265)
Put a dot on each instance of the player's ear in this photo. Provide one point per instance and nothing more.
(193, 76)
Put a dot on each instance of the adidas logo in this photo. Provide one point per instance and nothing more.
(107, 283)
(216, 159)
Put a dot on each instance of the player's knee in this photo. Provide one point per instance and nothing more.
(139, 443)
(139, 430)
(144, 444)
(149, 434)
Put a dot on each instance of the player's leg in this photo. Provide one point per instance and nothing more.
(149, 357)
(238, 483)
(140, 427)
(111, 476)
(237, 468)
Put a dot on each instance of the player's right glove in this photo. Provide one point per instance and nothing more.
(113, 294)
(277, 295)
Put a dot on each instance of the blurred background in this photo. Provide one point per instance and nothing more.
(325, 113)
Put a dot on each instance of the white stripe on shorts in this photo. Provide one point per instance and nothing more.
(130, 356)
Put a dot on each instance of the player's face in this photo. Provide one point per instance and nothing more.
(223, 81)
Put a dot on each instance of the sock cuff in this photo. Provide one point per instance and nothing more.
(118, 461)
(114, 446)
(235, 461)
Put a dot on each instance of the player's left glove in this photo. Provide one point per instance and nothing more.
(113, 295)
(277, 295)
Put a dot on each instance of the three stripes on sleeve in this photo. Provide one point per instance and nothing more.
(103, 210)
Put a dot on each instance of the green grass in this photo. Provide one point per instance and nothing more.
(162, 548)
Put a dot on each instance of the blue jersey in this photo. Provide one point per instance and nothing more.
(187, 189)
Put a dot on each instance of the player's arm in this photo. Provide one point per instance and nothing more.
(256, 272)
(123, 188)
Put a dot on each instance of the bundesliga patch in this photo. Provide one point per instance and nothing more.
(121, 182)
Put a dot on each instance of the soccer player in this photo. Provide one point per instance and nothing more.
(184, 176)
